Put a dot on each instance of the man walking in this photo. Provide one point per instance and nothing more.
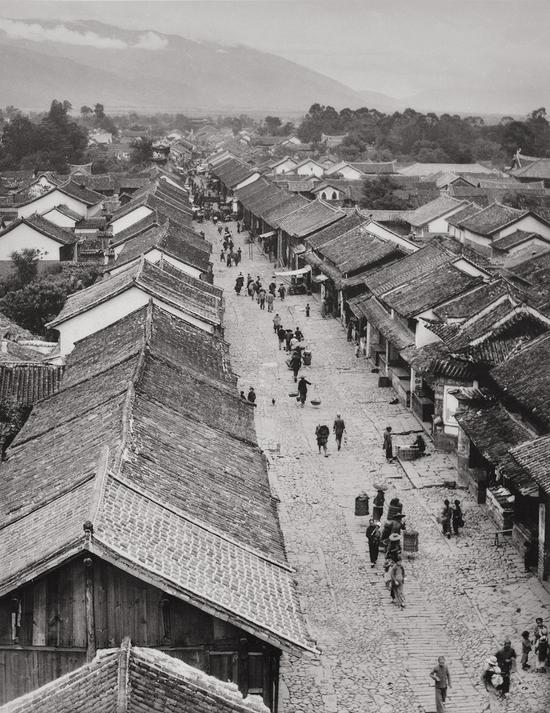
(302, 390)
(387, 444)
(339, 427)
(442, 678)
(276, 322)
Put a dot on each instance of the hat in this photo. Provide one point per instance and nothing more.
(492, 661)
(394, 537)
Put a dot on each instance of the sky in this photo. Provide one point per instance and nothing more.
(399, 47)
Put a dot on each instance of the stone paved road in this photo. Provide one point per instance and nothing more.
(463, 596)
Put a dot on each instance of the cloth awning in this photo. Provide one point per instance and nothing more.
(294, 273)
(299, 249)
(267, 235)
(320, 278)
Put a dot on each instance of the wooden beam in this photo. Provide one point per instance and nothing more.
(89, 607)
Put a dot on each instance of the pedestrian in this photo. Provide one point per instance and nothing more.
(388, 564)
(339, 427)
(288, 339)
(239, 282)
(398, 582)
(298, 334)
(281, 334)
(541, 645)
(323, 307)
(238, 227)
(442, 677)
(229, 259)
(373, 537)
(251, 289)
(307, 309)
(322, 434)
(302, 390)
(445, 518)
(222, 256)
(395, 508)
(419, 445)
(276, 323)
(492, 675)
(269, 299)
(457, 517)
(295, 363)
(282, 291)
(243, 396)
(526, 646)
(387, 444)
(261, 298)
(238, 256)
(378, 505)
(393, 550)
(350, 330)
(272, 287)
(506, 658)
(251, 396)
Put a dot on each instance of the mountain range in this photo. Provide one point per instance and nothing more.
(88, 61)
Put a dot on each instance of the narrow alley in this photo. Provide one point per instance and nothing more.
(463, 596)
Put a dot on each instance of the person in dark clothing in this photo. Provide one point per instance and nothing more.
(419, 445)
(339, 427)
(296, 363)
(351, 325)
(446, 515)
(302, 390)
(378, 505)
(440, 674)
(222, 256)
(229, 259)
(298, 334)
(307, 309)
(251, 396)
(272, 288)
(540, 636)
(288, 337)
(393, 550)
(373, 537)
(457, 517)
(281, 335)
(505, 657)
(239, 282)
(395, 508)
(238, 256)
(322, 434)
(243, 396)
(282, 291)
(387, 444)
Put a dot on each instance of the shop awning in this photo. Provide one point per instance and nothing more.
(267, 235)
(320, 278)
(294, 273)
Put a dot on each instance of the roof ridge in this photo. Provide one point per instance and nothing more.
(198, 523)
(99, 482)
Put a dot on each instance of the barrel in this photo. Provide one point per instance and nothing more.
(410, 541)
(362, 504)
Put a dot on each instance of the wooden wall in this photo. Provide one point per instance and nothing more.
(48, 617)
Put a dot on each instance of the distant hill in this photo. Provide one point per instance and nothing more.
(89, 61)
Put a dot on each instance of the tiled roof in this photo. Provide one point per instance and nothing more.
(419, 294)
(162, 403)
(335, 230)
(518, 237)
(80, 192)
(434, 209)
(490, 219)
(169, 241)
(45, 227)
(435, 358)
(146, 679)
(467, 212)
(136, 228)
(493, 430)
(188, 294)
(467, 305)
(68, 212)
(533, 457)
(356, 249)
(314, 216)
(421, 262)
(28, 383)
(274, 216)
(367, 307)
(369, 167)
(537, 169)
(428, 169)
(232, 172)
(525, 378)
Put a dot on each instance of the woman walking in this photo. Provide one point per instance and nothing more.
(457, 517)
(373, 537)
(398, 582)
(446, 515)
(387, 444)
(378, 505)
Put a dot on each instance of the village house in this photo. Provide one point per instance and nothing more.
(282, 165)
(331, 141)
(527, 169)
(432, 218)
(430, 169)
(53, 243)
(99, 137)
(129, 678)
(346, 193)
(131, 287)
(86, 522)
(81, 200)
(309, 167)
(233, 174)
(499, 231)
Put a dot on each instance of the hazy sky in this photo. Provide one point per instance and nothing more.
(399, 47)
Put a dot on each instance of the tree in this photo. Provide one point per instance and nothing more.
(35, 304)
(25, 263)
(86, 111)
(142, 151)
(272, 124)
(99, 111)
(379, 194)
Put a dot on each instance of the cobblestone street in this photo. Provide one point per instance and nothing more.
(463, 596)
